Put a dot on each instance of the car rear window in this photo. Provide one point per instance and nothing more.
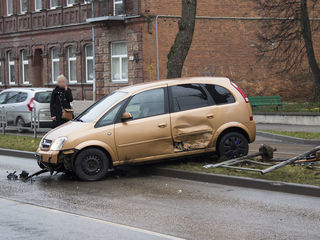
(43, 97)
(220, 94)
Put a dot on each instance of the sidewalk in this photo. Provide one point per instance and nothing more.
(288, 128)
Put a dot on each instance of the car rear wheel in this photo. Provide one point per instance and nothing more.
(233, 145)
(20, 125)
(91, 164)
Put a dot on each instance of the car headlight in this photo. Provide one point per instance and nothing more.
(58, 143)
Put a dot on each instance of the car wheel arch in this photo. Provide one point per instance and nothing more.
(229, 129)
(96, 147)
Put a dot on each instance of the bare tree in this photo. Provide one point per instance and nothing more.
(183, 41)
(286, 35)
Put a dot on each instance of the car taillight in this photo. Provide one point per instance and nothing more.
(240, 91)
(30, 105)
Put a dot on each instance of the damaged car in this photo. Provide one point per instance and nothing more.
(149, 122)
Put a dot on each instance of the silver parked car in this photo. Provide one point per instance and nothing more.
(18, 103)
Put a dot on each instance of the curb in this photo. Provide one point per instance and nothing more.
(261, 184)
(17, 153)
(289, 139)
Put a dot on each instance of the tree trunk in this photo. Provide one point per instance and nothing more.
(307, 36)
(181, 46)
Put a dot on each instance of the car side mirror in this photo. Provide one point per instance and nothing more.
(126, 116)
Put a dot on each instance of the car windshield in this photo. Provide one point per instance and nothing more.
(93, 112)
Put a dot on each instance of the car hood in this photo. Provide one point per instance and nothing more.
(67, 130)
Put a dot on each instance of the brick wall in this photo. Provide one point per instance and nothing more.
(222, 47)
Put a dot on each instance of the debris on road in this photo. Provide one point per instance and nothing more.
(309, 158)
(12, 176)
(24, 175)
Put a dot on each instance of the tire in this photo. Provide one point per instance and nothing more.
(91, 164)
(233, 145)
(20, 124)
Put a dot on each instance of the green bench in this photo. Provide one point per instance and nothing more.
(260, 101)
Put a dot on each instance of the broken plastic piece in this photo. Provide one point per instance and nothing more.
(12, 176)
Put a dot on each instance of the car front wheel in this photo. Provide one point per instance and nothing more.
(91, 165)
(233, 145)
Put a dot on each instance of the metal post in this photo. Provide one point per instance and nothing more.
(157, 46)
(34, 120)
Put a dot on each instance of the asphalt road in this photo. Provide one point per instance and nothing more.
(139, 206)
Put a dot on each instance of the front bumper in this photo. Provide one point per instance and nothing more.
(51, 157)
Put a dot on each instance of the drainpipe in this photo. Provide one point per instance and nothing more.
(93, 53)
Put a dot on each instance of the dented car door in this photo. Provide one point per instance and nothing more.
(192, 117)
(148, 133)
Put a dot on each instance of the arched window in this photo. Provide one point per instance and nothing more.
(11, 74)
(89, 64)
(72, 65)
(24, 67)
(55, 64)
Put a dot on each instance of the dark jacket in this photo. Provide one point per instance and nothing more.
(60, 99)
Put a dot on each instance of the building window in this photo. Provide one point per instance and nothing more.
(72, 65)
(54, 3)
(70, 2)
(24, 6)
(55, 67)
(119, 62)
(118, 7)
(89, 63)
(38, 5)
(11, 74)
(9, 7)
(24, 67)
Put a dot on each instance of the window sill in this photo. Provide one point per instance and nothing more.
(119, 81)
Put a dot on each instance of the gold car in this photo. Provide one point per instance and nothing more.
(149, 122)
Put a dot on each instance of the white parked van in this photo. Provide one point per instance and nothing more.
(18, 104)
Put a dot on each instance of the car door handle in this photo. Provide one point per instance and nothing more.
(210, 116)
(162, 125)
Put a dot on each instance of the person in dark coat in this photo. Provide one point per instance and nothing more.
(60, 99)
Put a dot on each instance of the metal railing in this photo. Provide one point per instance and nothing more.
(36, 117)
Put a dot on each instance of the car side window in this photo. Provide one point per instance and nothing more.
(110, 116)
(12, 97)
(3, 98)
(147, 104)
(220, 95)
(22, 97)
(188, 96)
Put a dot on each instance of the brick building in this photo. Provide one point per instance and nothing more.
(40, 39)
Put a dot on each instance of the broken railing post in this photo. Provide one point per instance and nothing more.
(291, 160)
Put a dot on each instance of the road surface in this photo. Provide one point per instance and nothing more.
(139, 206)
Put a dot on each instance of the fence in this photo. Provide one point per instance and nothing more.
(8, 120)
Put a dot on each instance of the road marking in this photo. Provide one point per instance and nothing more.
(140, 230)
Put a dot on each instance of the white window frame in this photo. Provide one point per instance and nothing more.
(35, 6)
(51, 5)
(9, 14)
(54, 60)
(10, 63)
(120, 64)
(117, 2)
(21, 11)
(23, 63)
(71, 59)
(88, 58)
(70, 4)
